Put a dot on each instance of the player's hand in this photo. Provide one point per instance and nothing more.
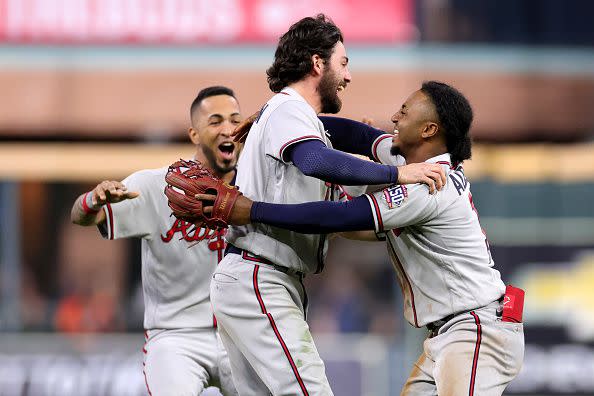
(241, 131)
(432, 175)
(109, 191)
(240, 214)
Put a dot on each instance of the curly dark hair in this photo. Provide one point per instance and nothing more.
(292, 59)
(455, 117)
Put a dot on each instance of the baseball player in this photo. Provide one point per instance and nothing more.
(440, 253)
(183, 353)
(257, 290)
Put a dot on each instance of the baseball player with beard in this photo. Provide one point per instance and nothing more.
(257, 290)
(440, 253)
(183, 353)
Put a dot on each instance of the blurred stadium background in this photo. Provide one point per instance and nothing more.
(95, 89)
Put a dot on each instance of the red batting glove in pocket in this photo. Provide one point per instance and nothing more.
(513, 304)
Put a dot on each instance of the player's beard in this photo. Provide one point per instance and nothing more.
(211, 156)
(395, 150)
(327, 88)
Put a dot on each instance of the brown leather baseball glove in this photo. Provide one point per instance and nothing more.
(184, 180)
(242, 130)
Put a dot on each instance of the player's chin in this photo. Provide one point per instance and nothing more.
(395, 149)
(226, 165)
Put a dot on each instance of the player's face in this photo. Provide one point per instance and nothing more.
(214, 121)
(410, 122)
(334, 80)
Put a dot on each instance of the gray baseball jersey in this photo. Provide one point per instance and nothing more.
(444, 267)
(182, 354)
(264, 174)
(175, 276)
(437, 247)
(261, 309)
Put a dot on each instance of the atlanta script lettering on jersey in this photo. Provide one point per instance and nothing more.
(459, 180)
(189, 234)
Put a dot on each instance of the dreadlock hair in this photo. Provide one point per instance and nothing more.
(455, 117)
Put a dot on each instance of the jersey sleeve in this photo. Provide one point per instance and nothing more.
(381, 151)
(132, 217)
(292, 122)
(399, 206)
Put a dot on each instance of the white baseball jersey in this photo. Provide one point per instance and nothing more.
(381, 151)
(437, 246)
(264, 174)
(175, 276)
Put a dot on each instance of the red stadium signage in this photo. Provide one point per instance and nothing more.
(195, 21)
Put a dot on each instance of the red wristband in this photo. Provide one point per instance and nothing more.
(86, 208)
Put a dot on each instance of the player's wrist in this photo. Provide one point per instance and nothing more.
(242, 210)
(394, 173)
(88, 206)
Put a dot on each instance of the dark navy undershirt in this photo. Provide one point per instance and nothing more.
(314, 159)
(322, 217)
(351, 136)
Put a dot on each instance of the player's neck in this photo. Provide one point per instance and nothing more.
(228, 177)
(423, 153)
(308, 89)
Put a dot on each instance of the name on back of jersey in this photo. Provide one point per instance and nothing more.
(395, 196)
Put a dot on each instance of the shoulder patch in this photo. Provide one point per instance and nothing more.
(395, 195)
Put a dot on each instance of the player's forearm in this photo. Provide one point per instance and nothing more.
(314, 159)
(84, 213)
(316, 217)
(351, 136)
(368, 236)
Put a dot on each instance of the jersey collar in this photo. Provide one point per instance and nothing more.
(443, 159)
(291, 92)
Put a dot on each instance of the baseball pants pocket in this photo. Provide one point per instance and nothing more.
(224, 277)
(512, 336)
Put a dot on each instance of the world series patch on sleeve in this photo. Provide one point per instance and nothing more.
(395, 196)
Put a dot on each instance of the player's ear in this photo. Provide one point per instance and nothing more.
(193, 134)
(317, 65)
(430, 129)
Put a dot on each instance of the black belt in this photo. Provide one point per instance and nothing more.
(434, 327)
(252, 257)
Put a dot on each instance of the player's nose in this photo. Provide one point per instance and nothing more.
(347, 76)
(228, 128)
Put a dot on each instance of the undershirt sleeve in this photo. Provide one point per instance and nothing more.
(353, 136)
(314, 159)
(322, 217)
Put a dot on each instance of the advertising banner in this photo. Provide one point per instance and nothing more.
(195, 21)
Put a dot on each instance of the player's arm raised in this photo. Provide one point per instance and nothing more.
(314, 159)
(362, 138)
(87, 211)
